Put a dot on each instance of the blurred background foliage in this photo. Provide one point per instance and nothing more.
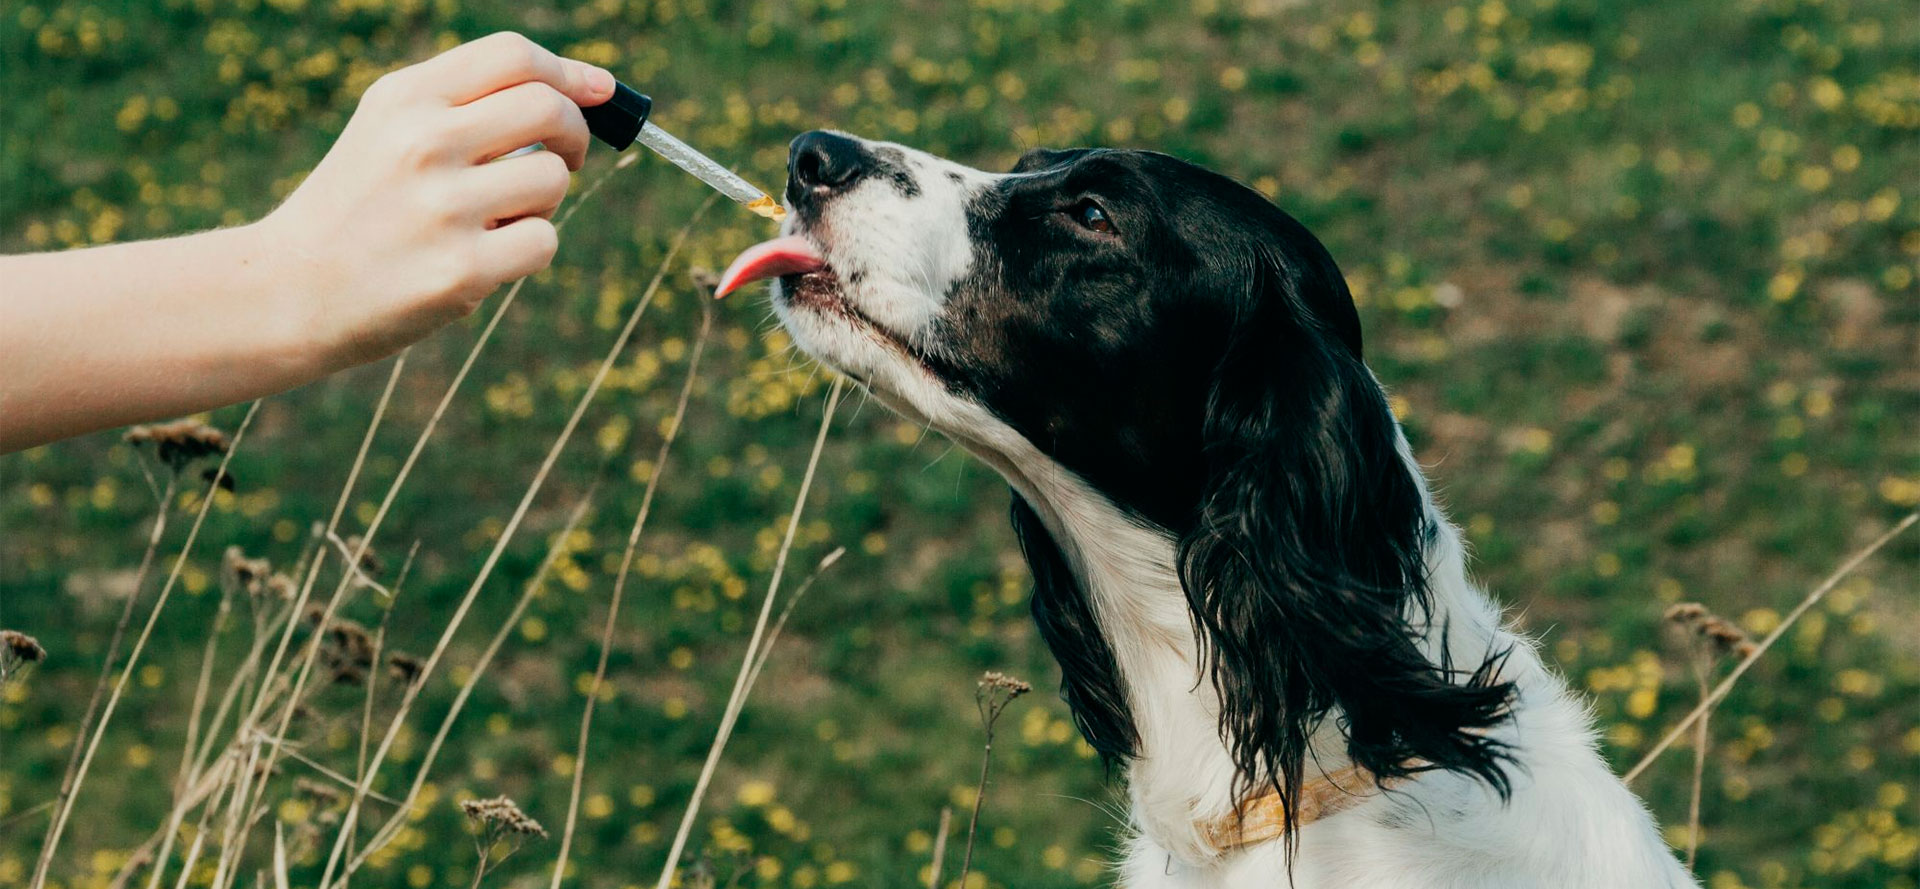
(1640, 276)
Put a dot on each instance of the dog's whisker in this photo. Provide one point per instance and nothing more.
(1118, 815)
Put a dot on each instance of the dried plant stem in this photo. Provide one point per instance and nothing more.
(201, 687)
(453, 626)
(366, 439)
(188, 762)
(323, 533)
(25, 813)
(1813, 598)
(532, 587)
(279, 856)
(995, 692)
(238, 825)
(366, 723)
(193, 854)
(338, 778)
(1699, 768)
(620, 586)
(240, 685)
(198, 791)
(198, 788)
(270, 678)
(65, 809)
(786, 611)
(201, 830)
(70, 780)
(940, 847)
(737, 700)
(979, 799)
(513, 525)
(373, 677)
(353, 569)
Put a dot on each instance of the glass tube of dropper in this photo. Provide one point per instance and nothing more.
(709, 171)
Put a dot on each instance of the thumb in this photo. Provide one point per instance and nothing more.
(587, 85)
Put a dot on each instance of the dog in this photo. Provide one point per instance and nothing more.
(1258, 609)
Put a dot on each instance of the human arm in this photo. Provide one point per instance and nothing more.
(406, 225)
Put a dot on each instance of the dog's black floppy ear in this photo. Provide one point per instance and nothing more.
(1304, 565)
(1089, 676)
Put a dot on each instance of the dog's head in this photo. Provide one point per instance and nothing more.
(1171, 341)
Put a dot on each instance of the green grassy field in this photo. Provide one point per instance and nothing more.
(1640, 275)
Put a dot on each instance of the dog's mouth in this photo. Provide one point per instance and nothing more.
(808, 282)
(806, 279)
(788, 256)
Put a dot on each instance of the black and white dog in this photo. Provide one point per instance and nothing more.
(1256, 605)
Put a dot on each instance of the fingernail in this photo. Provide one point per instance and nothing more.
(600, 80)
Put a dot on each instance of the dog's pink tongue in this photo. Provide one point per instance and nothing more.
(790, 255)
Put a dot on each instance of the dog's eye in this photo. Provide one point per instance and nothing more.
(1092, 218)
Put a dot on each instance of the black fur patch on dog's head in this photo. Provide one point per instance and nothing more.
(1193, 353)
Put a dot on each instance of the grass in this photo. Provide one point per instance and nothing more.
(1640, 277)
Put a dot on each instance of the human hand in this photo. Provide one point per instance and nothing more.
(409, 221)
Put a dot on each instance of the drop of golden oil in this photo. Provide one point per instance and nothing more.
(765, 205)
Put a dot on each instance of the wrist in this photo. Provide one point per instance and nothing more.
(281, 296)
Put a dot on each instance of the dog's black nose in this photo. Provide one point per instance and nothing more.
(820, 162)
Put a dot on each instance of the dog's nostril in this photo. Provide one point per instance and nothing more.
(810, 167)
(826, 160)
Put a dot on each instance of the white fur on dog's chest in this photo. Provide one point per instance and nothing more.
(1569, 825)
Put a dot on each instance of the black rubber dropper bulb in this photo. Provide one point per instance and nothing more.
(618, 120)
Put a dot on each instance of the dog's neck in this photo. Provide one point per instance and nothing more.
(1182, 776)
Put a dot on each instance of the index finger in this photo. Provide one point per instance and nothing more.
(497, 61)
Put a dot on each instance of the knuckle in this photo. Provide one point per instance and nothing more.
(387, 87)
(506, 40)
(557, 110)
(520, 54)
(438, 209)
(420, 149)
(446, 213)
(454, 273)
(466, 269)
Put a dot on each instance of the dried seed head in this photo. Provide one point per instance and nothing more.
(351, 640)
(1724, 635)
(321, 792)
(180, 442)
(405, 667)
(213, 476)
(370, 563)
(1727, 638)
(1686, 613)
(238, 572)
(349, 653)
(704, 278)
(346, 647)
(994, 680)
(20, 647)
(991, 697)
(503, 814)
(281, 587)
(827, 560)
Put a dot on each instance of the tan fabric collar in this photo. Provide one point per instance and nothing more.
(1262, 818)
